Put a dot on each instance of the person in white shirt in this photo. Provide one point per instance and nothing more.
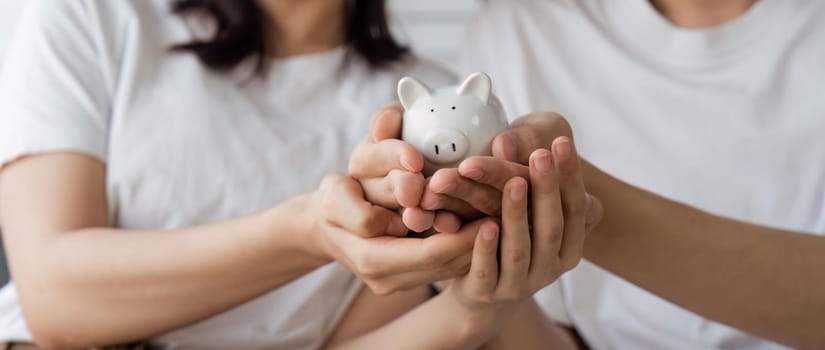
(160, 180)
(717, 105)
(714, 104)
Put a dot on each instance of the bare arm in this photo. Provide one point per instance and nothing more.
(127, 285)
(532, 329)
(765, 281)
(66, 261)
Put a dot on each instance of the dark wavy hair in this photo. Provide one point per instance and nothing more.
(241, 32)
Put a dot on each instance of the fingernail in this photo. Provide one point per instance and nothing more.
(542, 162)
(396, 226)
(489, 234)
(517, 192)
(475, 174)
(510, 147)
(564, 148)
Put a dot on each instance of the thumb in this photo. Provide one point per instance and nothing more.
(386, 124)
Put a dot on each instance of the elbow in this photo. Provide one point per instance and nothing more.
(50, 335)
(49, 340)
(50, 327)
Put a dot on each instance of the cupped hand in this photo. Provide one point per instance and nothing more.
(469, 190)
(537, 243)
(365, 238)
(389, 171)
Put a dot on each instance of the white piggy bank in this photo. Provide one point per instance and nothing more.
(452, 123)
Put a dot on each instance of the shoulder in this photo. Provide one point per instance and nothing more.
(93, 12)
(97, 21)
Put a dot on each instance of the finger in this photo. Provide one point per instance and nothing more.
(417, 219)
(398, 189)
(392, 255)
(456, 267)
(376, 159)
(547, 218)
(386, 122)
(492, 171)
(433, 201)
(446, 221)
(483, 198)
(483, 276)
(515, 238)
(529, 133)
(573, 199)
(344, 206)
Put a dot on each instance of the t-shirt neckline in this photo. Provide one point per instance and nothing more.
(645, 29)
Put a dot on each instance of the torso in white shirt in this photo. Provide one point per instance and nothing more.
(186, 146)
(729, 119)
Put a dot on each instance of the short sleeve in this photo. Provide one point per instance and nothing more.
(52, 94)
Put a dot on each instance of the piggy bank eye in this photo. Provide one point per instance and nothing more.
(432, 110)
(453, 107)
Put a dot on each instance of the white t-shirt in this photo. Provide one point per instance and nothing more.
(186, 146)
(728, 119)
(9, 12)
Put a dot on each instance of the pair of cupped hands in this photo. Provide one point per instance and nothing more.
(508, 225)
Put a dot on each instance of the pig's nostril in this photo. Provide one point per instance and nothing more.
(436, 149)
(453, 146)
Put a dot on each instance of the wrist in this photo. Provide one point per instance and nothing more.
(480, 320)
(300, 229)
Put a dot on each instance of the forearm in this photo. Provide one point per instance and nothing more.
(102, 286)
(530, 328)
(438, 323)
(764, 281)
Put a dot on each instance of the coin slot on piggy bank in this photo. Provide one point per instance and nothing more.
(449, 124)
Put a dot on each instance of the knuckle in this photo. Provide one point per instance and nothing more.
(518, 256)
(556, 233)
(483, 275)
(371, 223)
(328, 204)
(367, 268)
(559, 123)
(327, 182)
(380, 287)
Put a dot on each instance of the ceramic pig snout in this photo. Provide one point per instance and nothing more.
(445, 146)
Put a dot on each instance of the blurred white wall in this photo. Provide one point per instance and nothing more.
(433, 28)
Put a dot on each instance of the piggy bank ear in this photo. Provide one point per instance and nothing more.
(477, 84)
(410, 90)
